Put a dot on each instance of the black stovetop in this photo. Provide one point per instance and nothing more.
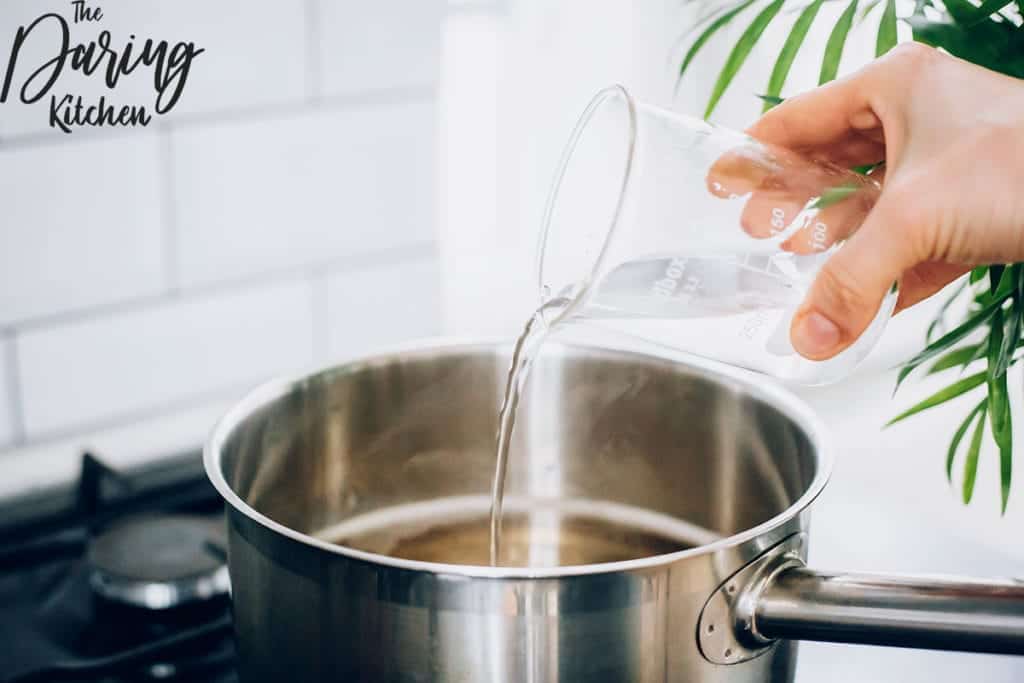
(56, 628)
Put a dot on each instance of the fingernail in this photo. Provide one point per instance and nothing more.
(815, 335)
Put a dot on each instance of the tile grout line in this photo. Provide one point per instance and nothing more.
(314, 72)
(317, 278)
(16, 411)
(352, 262)
(168, 213)
(129, 418)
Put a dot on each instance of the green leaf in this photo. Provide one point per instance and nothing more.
(978, 354)
(939, 397)
(711, 30)
(947, 340)
(740, 52)
(998, 397)
(956, 357)
(1009, 342)
(958, 437)
(978, 273)
(770, 101)
(866, 169)
(836, 43)
(987, 9)
(999, 414)
(834, 195)
(995, 275)
(940, 316)
(789, 49)
(969, 15)
(886, 29)
(708, 16)
(867, 10)
(1005, 472)
(989, 44)
(1002, 283)
(962, 11)
(971, 464)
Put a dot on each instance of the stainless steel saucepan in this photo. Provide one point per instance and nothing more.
(736, 463)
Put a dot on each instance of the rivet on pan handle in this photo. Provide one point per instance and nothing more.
(725, 630)
(777, 597)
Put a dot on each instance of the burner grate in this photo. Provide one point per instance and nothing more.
(143, 533)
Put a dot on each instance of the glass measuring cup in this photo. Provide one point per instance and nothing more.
(696, 237)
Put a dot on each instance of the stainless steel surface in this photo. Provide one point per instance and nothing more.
(159, 562)
(716, 450)
(933, 612)
(724, 629)
(161, 595)
(734, 457)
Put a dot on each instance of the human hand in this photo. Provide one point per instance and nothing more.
(951, 135)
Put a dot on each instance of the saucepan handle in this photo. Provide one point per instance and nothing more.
(904, 611)
(782, 598)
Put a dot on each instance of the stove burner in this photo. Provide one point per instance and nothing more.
(160, 562)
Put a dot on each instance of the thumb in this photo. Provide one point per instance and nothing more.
(848, 290)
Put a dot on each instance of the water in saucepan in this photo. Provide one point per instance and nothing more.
(536, 532)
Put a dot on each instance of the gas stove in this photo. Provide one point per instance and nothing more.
(120, 578)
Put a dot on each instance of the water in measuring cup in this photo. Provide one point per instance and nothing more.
(719, 304)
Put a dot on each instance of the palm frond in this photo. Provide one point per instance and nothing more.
(740, 52)
(886, 39)
(713, 28)
(789, 51)
(836, 43)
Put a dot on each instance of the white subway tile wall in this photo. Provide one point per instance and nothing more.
(98, 370)
(147, 271)
(6, 403)
(259, 196)
(402, 299)
(358, 50)
(80, 225)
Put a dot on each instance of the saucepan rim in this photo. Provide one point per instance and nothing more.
(757, 386)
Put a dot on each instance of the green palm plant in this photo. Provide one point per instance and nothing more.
(985, 342)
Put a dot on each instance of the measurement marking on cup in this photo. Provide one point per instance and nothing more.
(820, 236)
(666, 286)
(753, 324)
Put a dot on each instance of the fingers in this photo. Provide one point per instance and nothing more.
(849, 289)
(821, 118)
(777, 187)
(853, 150)
(740, 171)
(769, 212)
(829, 226)
(845, 118)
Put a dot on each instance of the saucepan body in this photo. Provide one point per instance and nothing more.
(719, 469)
